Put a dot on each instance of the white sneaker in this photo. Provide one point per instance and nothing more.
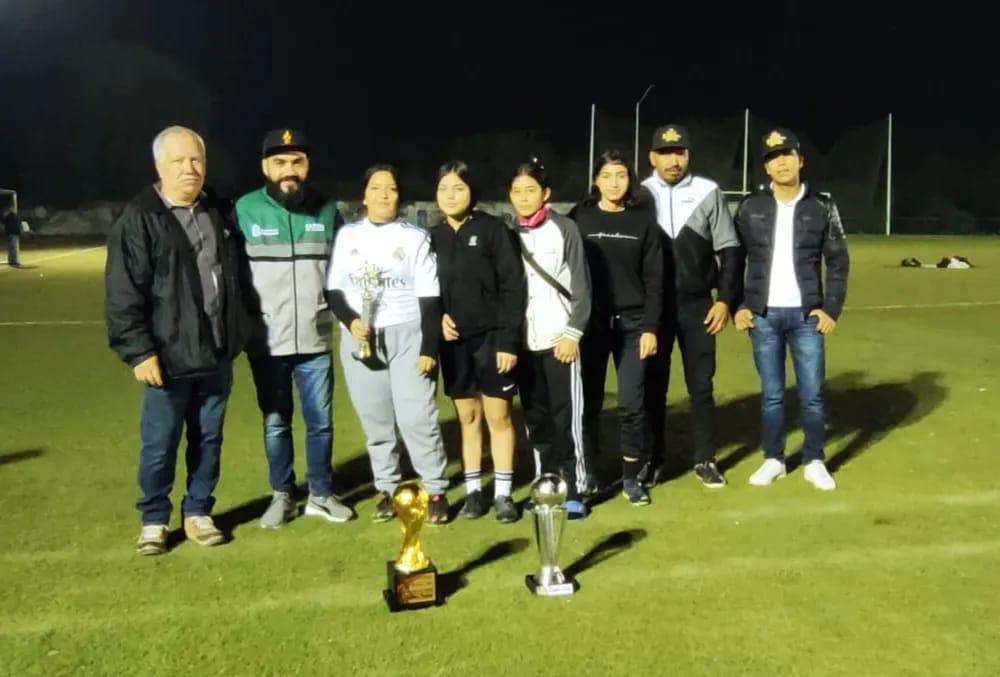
(771, 470)
(818, 476)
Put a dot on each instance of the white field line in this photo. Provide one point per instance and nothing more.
(921, 306)
(54, 257)
(912, 306)
(51, 323)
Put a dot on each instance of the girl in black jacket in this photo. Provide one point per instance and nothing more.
(622, 243)
(483, 298)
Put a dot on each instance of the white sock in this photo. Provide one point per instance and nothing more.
(473, 481)
(502, 482)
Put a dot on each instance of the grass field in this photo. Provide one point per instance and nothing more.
(895, 573)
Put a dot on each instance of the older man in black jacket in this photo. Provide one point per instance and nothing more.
(789, 231)
(174, 314)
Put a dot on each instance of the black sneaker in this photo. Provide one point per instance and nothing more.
(652, 473)
(589, 486)
(709, 474)
(635, 492)
(475, 506)
(437, 510)
(505, 509)
(383, 509)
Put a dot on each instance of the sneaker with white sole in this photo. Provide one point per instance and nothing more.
(817, 475)
(281, 510)
(202, 530)
(329, 508)
(152, 539)
(771, 470)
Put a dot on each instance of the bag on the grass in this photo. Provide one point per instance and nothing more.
(955, 263)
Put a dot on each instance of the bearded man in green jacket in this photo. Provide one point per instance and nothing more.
(288, 228)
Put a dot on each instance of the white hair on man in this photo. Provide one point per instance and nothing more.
(160, 138)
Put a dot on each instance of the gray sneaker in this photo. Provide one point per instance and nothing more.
(281, 510)
(329, 508)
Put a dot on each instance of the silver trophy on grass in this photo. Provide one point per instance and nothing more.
(369, 283)
(548, 493)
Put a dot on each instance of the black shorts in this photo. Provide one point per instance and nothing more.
(469, 368)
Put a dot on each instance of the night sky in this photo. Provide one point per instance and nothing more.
(369, 81)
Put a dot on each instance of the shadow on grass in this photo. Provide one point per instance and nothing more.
(453, 581)
(859, 414)
(18, 456)
(613, 545)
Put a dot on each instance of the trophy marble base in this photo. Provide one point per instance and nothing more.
(415, 590)
(564, 589)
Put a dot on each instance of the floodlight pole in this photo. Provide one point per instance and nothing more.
(888, 182)
(637, 104)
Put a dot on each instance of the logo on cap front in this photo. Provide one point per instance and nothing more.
(286, 138)
(774, 139)
(670, 135)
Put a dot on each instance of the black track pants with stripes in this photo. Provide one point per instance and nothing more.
(552, 401)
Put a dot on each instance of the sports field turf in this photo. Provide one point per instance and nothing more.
(894, 573)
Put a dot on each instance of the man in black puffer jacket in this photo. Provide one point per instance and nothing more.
(789, 231)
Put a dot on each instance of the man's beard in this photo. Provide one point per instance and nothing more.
(287, 200)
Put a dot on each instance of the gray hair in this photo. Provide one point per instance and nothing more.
(174, 129)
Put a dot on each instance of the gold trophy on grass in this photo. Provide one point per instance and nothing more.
(412, 579)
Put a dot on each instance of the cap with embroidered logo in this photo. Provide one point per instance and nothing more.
(670, 136)
(284, 140)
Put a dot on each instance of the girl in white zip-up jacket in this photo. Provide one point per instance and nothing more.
(558, 308)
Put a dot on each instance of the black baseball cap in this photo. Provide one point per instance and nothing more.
(284, 140)
(777, 140)
(670, 136)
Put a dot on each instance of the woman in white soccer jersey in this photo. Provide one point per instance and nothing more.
(391, 260)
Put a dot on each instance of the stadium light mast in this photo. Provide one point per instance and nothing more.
(637, 104)
(888, 181)
(593, 121)
(746, 146)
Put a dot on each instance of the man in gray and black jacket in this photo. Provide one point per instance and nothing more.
(701, 252)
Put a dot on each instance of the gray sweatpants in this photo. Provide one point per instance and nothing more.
(398, 397)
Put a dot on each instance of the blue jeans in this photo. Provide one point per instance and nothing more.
(199, 404)
(313, 374)
(770, 334)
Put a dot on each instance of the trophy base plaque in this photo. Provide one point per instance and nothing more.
(568, 587)
(415, 590)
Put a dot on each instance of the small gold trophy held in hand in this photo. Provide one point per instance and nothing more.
(369, 282)
(412, 578)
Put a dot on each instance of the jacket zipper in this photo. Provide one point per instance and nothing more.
(295, 290)
(670, 204)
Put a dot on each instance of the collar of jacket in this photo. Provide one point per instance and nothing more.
(149, 199)
(686, 181)
(806, 192)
